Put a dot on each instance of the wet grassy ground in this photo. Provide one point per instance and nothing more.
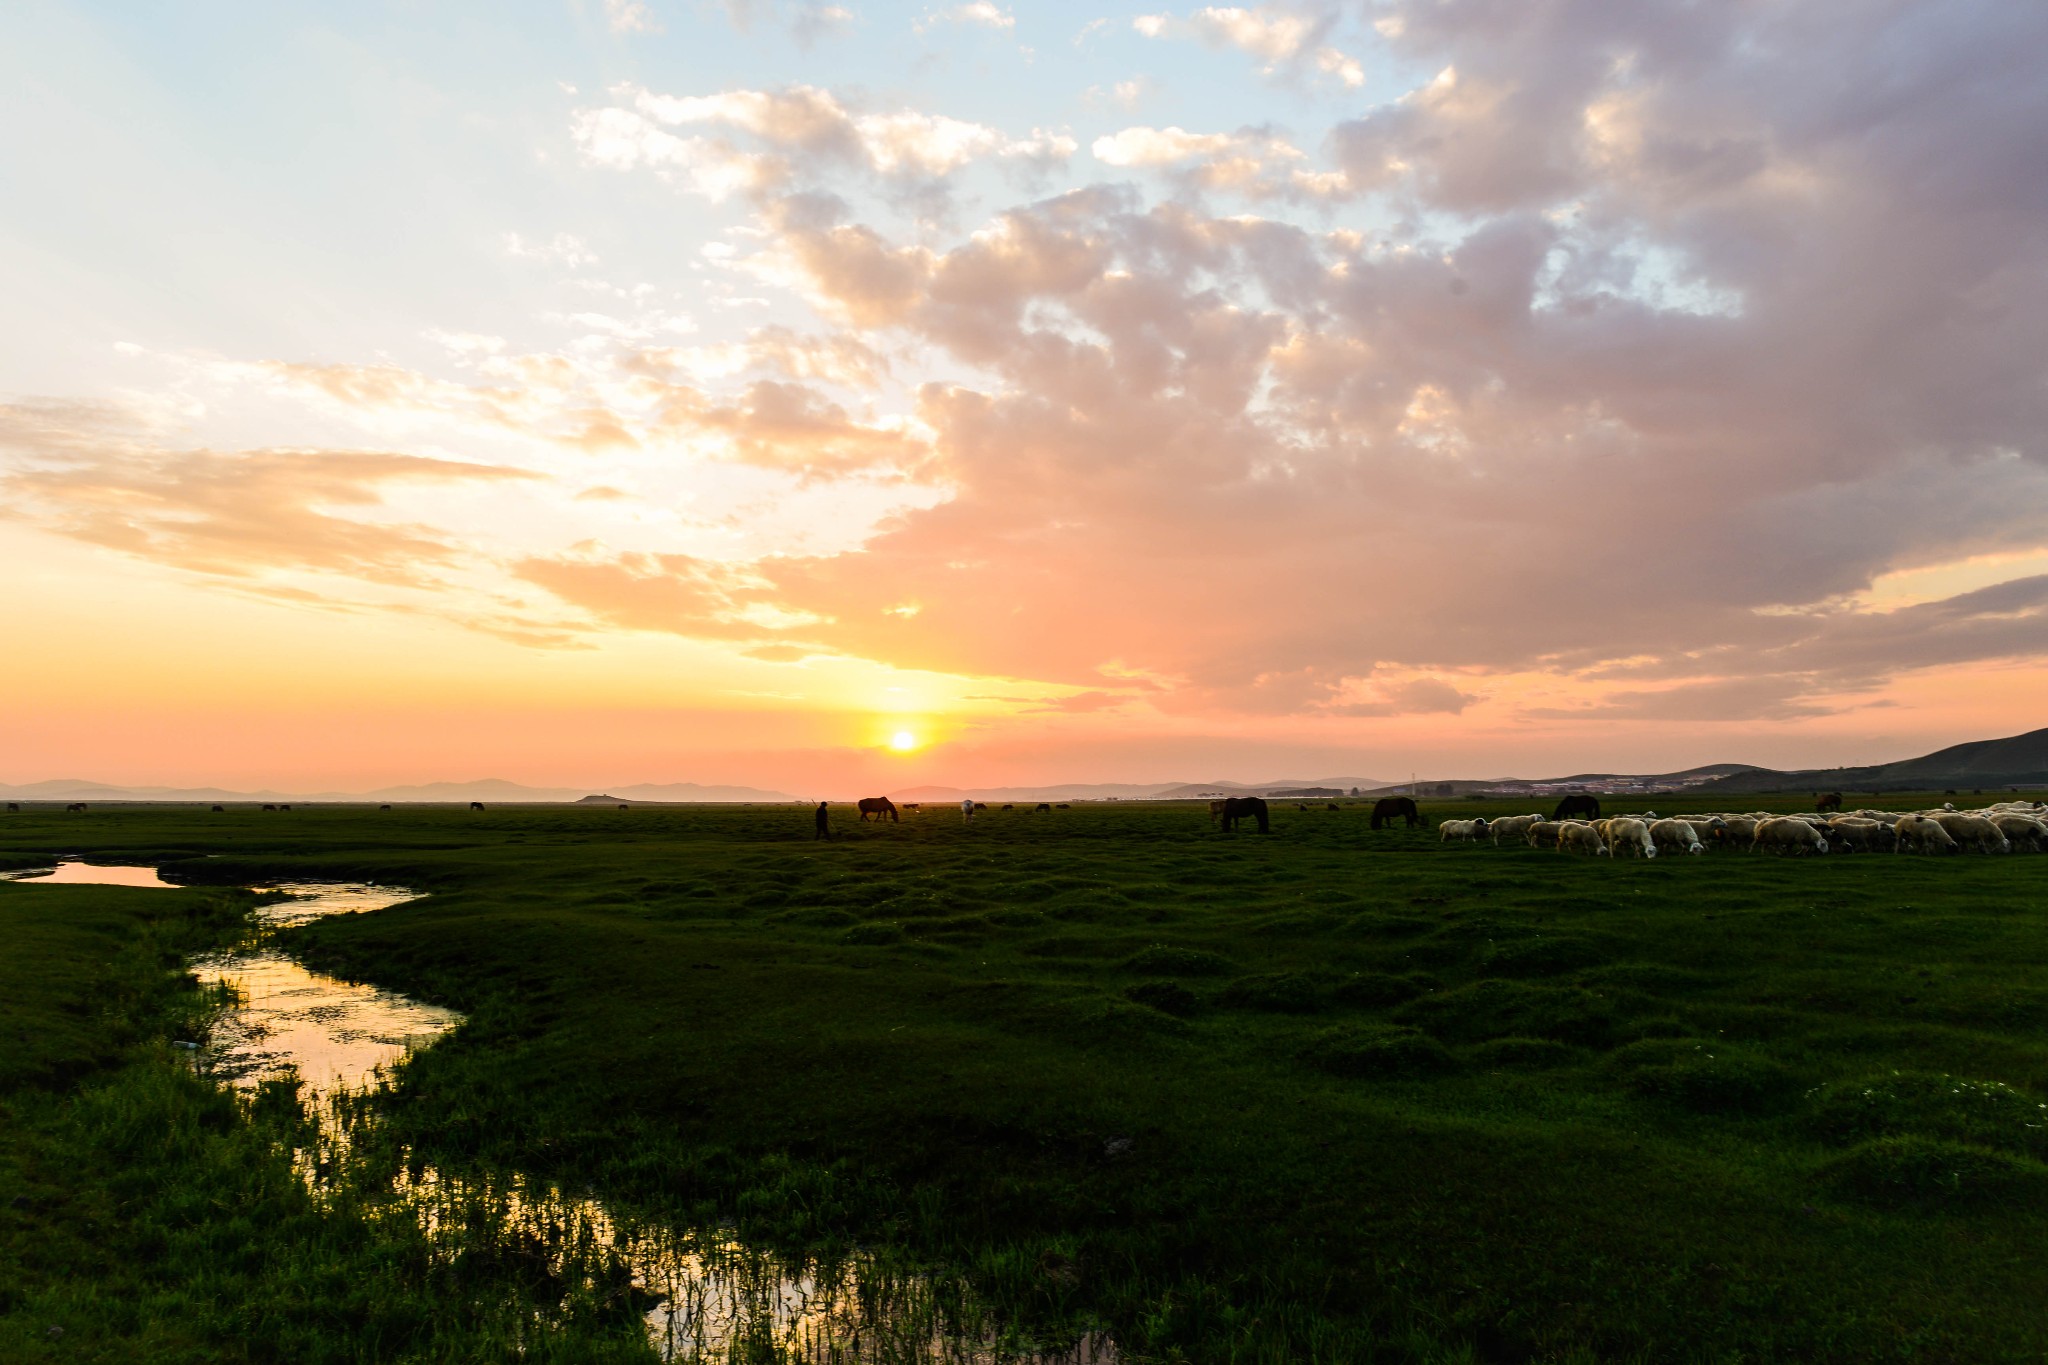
(1323, 1094)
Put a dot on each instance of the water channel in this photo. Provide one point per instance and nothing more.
(705, 1296)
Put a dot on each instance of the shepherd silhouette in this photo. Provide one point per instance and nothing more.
(824, 823)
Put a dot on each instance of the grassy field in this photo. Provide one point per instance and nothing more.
(1323, 1094)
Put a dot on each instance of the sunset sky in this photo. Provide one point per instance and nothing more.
(606, 391)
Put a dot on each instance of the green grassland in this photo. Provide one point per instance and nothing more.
(1321, 1094)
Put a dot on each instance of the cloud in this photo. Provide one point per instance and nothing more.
(1286, 41)
(630, 16)
(98, 477)
(798, 130)
(563, 249)
(984, 13)
(1256, 164)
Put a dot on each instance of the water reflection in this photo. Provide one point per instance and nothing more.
(87, 874)
(703, 1296)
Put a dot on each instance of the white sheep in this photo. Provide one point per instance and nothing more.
(1676, 836)
(1973, 831)
(1785, 834)
(1573, 836)
(1625, 834)
(1924, 833)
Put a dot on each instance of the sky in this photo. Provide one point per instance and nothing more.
(830, 396)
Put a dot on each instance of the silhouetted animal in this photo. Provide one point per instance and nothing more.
(624, 806)
(1577, 806)
(1237, 808)
(1044, 807)
(824, 823)
(274, 807)
(219, 809)
(1333, 806)
(1829, 801)
(1063, 806)
(76, 805)
(476, 805)
(1389, 808)
(383, 808)
(981, 805)
(913, 807)
(14, 807)
(878, 806)
(967, 811)
(1009, 808)
(284, 807)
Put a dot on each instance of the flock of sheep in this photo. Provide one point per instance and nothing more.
(2007, 827)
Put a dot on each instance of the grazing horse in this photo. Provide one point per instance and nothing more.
(1042, 806)
(1237, 808)
(1009, 808)
(219, 809)
(268, 807)
(1333, 806)
(967, 811)
(1828, 801)
(1579, 805)
(1063, 806)
(476, 805)
(878, 806)
(379, 808)
(622, 806)
(1388, 809)
(76, 805)
(14, 807)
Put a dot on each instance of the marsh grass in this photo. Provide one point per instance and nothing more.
(1646, 1142)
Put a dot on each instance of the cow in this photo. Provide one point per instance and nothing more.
(1828, 801)
(1577, 806)
(879, 807)
(476, 805)
(1238, 808)
(1390, 808)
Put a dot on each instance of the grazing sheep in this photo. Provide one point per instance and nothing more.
(1785, 834)
(1511, 828)
(1543, 834)
(1970, 830)
(967, 811)
(1922, 833)
(2022, 831)
(1625, 834)
(1576, 837)
(1676, 836)
(1735, 831)
(1467, 830)
(1856, 834)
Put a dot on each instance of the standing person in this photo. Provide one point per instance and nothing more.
(824, 824)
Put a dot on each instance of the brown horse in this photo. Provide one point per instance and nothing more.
(476, 805)
(1579, 805)
(1238, 808)
(878, 806)
(1828, 801)
(1388, 809)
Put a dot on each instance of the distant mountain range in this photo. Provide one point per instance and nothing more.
(486, 790)
(2021, 760)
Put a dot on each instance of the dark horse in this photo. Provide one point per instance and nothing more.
(1576, 805)
(1240, 807)
(878, 806)
(1829, 801)
(1390, 808)
(476, 805)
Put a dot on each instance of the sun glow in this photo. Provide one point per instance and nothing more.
(903, 741)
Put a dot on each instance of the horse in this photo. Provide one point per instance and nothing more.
(388, 808)
(476, 805)
(76, 805)
(1042, 806)
(1237, 808)
(14, 807)
(268, 807)
(1009, 808)
(1828, 801)
(878, 806)
(622, 806)
(1579, 805)
(1390, 808)
(217, 810)
(1333, 806)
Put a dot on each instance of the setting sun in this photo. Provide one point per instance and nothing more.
(903, 741)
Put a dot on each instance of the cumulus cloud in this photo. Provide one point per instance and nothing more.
(799, 129)
(1285, 41)
(1255, 164)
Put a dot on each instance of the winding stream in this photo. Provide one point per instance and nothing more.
(705, 1296)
